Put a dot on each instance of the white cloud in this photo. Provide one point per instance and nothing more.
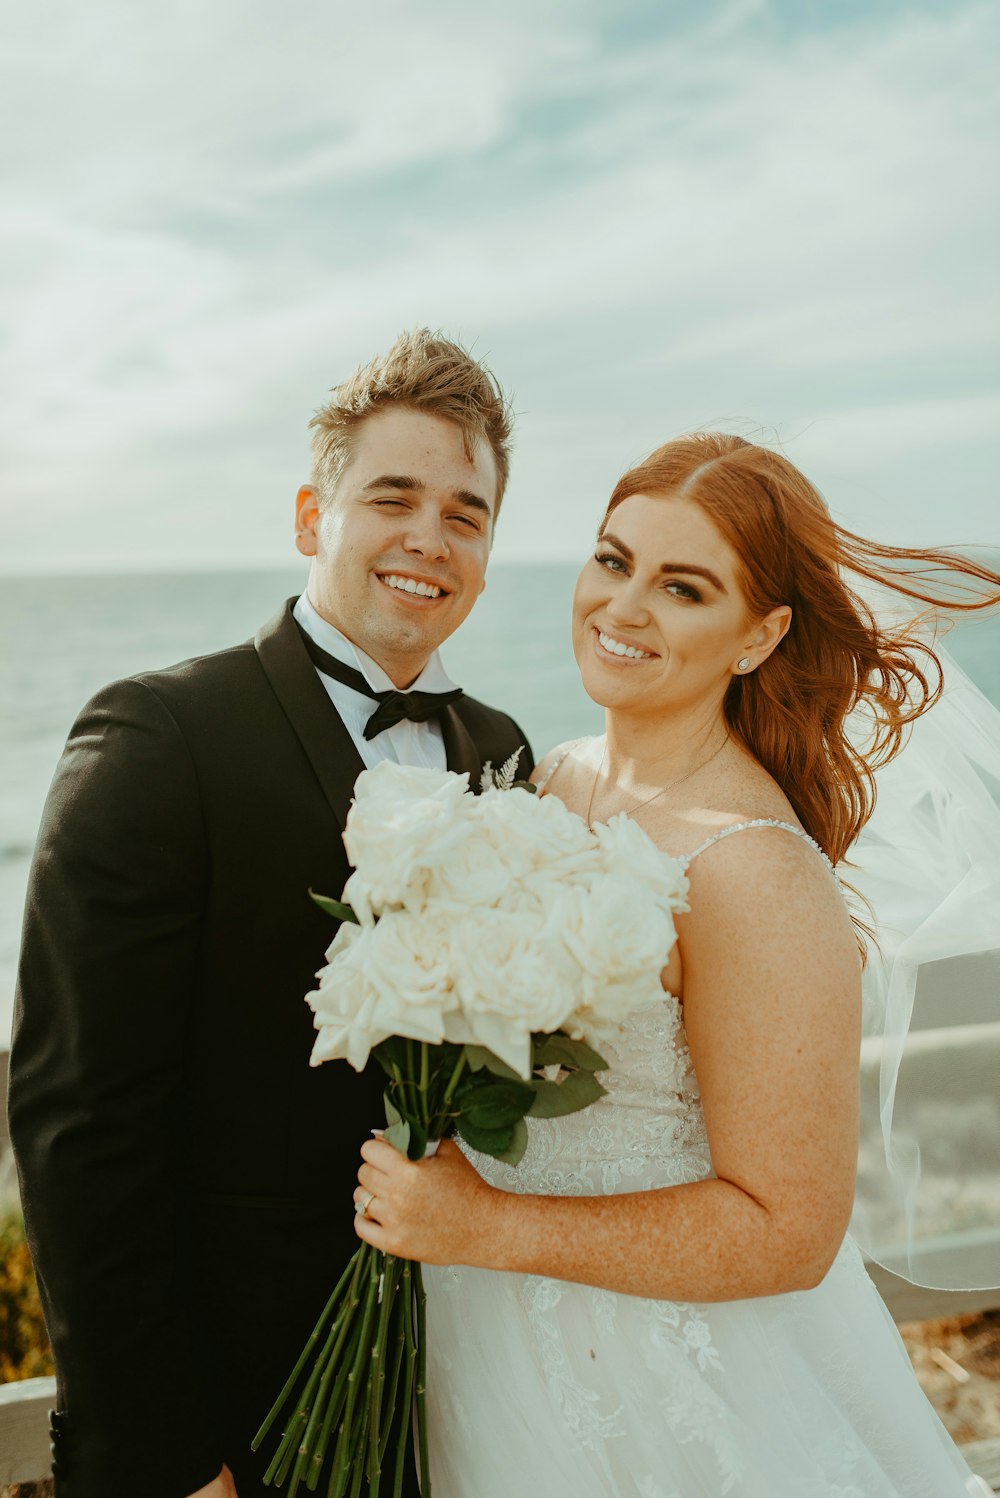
(722, 223)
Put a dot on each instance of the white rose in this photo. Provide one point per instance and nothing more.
(509, 980)
(626, 849)
(405, 821)
(388, 979)
(476, 872)
(538, 833)
(621, 936)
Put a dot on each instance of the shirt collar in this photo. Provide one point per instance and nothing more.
(433, 678)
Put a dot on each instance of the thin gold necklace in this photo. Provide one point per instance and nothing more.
(679, 780)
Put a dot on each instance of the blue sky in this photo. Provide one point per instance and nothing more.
(773, 217)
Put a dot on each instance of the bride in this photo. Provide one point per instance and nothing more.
(661, 1300)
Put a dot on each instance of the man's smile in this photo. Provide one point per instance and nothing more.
(412, 588)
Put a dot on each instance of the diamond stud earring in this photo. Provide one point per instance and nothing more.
(744, 664)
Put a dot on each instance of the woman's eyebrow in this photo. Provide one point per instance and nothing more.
(691, 568)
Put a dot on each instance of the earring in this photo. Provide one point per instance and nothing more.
(744, 664)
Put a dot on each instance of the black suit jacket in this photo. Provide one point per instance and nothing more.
(186, 1176)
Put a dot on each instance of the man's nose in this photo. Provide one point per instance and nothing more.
(425, 537)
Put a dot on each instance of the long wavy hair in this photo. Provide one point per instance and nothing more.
(790, 713)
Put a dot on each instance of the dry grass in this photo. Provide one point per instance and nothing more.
(941, 1352)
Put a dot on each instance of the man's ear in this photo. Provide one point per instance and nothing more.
(306, 516)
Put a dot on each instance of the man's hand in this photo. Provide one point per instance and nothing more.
(221, 1487)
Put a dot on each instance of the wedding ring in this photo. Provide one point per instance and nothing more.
(361, 1210)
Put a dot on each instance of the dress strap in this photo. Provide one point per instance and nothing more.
(566, 751)
(758, 822)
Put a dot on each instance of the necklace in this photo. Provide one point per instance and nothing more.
(678, 780)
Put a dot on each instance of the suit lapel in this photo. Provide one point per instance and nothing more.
(328, 745)
(460, 747)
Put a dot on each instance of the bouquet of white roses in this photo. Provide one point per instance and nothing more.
(487, 944)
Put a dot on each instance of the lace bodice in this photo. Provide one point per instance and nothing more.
(647, 1131)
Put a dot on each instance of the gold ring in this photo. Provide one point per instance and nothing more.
(362, 1210)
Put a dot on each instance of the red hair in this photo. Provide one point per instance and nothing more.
(790, 712)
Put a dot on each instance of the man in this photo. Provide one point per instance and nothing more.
(187, 1179)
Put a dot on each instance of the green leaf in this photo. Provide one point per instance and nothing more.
(478, 1092)
(492, 1116)
(493, 1103)
(575, 1054)
(487, 1141)
(556, 1099)
(518, 1144)
(479, 1057)
(398, 1135)
(391, 1055)
(336, 908)
(398, 1131)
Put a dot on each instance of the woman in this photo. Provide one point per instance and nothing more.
(660, 1301)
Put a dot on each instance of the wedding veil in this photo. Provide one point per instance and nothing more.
(928, 1195)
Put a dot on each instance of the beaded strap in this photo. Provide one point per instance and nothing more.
(567, 751)
(758, 822)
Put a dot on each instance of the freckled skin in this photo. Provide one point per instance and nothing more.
(766, 966)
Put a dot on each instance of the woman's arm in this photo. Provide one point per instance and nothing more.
(772, 1012)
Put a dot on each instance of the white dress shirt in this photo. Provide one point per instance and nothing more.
(406, 743)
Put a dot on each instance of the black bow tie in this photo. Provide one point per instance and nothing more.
(393, 707)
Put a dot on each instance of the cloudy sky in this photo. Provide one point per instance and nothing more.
(771, 215)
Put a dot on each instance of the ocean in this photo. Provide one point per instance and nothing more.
(63, 637)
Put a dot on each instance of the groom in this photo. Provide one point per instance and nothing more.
(187, 1179)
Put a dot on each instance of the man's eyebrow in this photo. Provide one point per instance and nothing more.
(410, 484)
(393, 481)
(690, 568)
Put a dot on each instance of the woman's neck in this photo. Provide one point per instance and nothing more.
(645, 751)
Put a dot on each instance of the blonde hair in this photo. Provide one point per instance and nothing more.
(421, 372)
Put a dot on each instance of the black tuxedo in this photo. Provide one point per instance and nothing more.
(186, 1176)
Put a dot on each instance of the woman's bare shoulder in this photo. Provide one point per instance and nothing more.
(560, 759)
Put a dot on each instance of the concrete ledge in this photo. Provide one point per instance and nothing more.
(24, 1429)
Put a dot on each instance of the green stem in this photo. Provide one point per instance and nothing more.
(326, 1367)
(406, 1423)
(341, 1462)
(282, 1458)
(424, 1069)
(449, 1091)
(310, 1344)
(425, 1466)
(338, 1397)
(289, 1445)
(389, 1403)
(390, 1274)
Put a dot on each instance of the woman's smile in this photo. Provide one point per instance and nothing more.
(618, 649)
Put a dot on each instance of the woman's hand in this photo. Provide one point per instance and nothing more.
(438, 1210)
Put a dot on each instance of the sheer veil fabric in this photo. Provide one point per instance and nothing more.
(928, 1198)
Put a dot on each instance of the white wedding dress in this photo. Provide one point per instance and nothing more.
(538, 1388)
